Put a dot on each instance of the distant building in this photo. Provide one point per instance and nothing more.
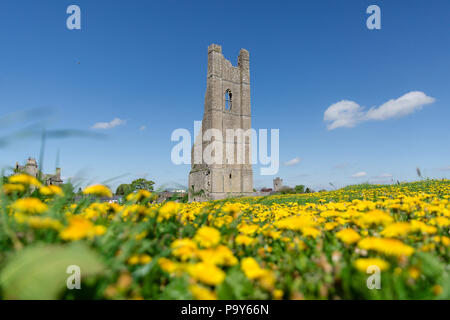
(31, 168)
(277, 184)
(113, 199)
(169, 195)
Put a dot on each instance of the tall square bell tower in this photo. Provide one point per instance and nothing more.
(226, 121)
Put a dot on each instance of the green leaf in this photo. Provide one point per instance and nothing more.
(235, 287)
(431, 265)
(39, 272)
(177, 289)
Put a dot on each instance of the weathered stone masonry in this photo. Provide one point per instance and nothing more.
(227, 106)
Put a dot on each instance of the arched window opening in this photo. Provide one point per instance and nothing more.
(228, 100)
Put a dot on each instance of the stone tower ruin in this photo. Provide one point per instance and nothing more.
(31, 168)
(277, 184)
(227, 109)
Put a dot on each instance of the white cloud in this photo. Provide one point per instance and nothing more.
(109, 125)
(292, 162)
(142, 128)
(343, 114)
(444, 168)
(347, 113)
(384, 175)
(359, 174)
(406, 104)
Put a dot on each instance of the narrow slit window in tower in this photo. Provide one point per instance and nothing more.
(228, 100)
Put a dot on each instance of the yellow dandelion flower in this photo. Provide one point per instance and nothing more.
(139, 196)
(244, 240)
(133, 260)
(38, 222)
(29, 205)
(445, 241)
(207, 237)
(437, 289)
(273, 234)
(296, 222)
(267, 280)
(375, 217)
(440, 221)
(80, 228)
(24, 179)
(414, 272)
(51, 191)
(348, 236)
(221, 255)
(167, 265)
(310, 232)
(363, 263)
(206, 273)
(247, 229)
(277, 294)
(428, 247)
(98, 190)
(231, 208)
(391, 247)
(220, 221)
(141, 235)
(397, 229)
(251, 268)
(422, 227)
(145, 259)
(184, 248)
(168, 210)
(9, 188)
(202, 293)
(330, 226)
(99, 230)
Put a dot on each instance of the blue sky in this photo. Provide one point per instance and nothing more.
(144, 62)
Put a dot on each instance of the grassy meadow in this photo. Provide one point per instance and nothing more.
(294, 246)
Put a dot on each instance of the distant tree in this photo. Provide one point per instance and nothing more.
(299, 189)
(138, 184)
(123, 190)
(142, 184)
(68, 189)
(185, 198)
(287, 190)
